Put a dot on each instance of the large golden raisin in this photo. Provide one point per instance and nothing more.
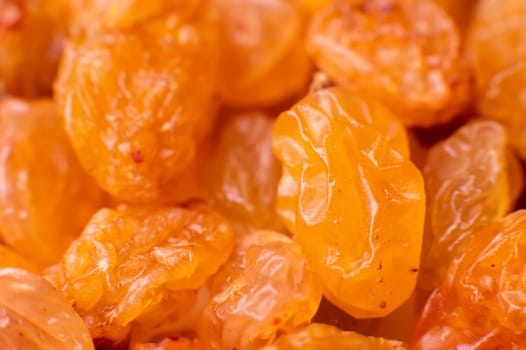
(128, 260)
(45, 196)
(496, 48)
(132, 109)
(266, 287)
(318, 336)
(31, 41)
(242, 173)
(467, 188)
(33, 315)
(9, 258)
(482, 301)
(406, 53)
(353, 200)
(261, 43)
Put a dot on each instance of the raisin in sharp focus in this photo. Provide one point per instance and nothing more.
(46, 198)
(405, 53)
(468, 187)
(132, 109)
(481, 303)
(128, 260)
(352, 199)
(33, 315)
(266, 287)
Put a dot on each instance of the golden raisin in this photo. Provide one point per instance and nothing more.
(45, 196)
(405, 53)
(351, 198)
(266, 287)
(261, 42)
(33, 315)
(128, 260)
(467, 188)
(496, 48)
(242, 173)
(481, 303)
(131, 107)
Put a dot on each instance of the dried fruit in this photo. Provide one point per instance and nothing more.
(481, 304)
(131, 107)
(319, 336)
(353, 200)
(31, 39)
(266, 287)
(242, 174)
(467, 188)
(262, 41)
(129, 259)
(45, 196)
(496, 47)
(405, 53)
(33, 315)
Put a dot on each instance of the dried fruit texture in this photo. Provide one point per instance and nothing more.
(129, 260)
(496, 47)
(481, 304)
(405, 53)
(93, 15)
(467, 188)
(131, 107)
(46, 198)
(35, 316)
(339, 150)
(266, 287)
(319, 336)
(172, 343)
(242, 174)
(261, 42)
(31, 40)
(9, 258)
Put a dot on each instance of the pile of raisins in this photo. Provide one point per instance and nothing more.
(262, 174)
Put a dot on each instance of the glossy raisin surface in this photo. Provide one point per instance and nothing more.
(346, 183)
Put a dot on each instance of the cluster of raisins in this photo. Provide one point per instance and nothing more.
(262, 174)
